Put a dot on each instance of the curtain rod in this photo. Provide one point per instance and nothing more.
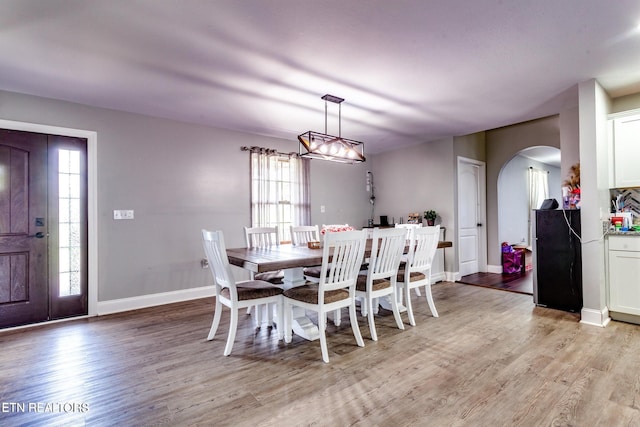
(262, 150)
(541, 170)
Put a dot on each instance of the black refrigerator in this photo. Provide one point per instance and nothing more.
(557, 259)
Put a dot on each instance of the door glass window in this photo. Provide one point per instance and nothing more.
(69, 179)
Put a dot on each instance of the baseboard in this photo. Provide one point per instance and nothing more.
(144, 301)
(452, 276)
(593, 317)
(445, 276)
(38, 324)
(438, 277)
(624, 317)
(496, 269)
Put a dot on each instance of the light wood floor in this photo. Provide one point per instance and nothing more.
(491, 359)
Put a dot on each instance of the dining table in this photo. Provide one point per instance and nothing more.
(291, 260)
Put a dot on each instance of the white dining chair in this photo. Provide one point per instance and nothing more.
(409, 228)
(262, 238)
(303, 234)
(342, 256)
(235, 294)
(379, 280)
(417, 270)
(312, 274)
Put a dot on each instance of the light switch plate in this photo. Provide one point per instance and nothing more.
(122, 214)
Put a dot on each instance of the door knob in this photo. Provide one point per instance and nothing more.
(38, 235)
(479, 224)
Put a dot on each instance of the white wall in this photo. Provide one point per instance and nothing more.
(178, 178)
(513, 197)
(595, 105)
(569, 140)
(340, 188)
(502, 145)
(416, 179)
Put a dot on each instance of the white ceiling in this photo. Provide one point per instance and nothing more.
(410, 71)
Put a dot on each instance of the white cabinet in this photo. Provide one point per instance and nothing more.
(624, 270)
(626, 151)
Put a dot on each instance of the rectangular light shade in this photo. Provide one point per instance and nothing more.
(321, 146)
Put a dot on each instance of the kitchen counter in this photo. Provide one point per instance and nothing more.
(623, 233)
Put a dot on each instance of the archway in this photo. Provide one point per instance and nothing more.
(514, 214)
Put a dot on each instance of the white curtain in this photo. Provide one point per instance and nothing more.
(300, 191)
(538, 187)
(263, 189)
(538, 192)
(277, 181)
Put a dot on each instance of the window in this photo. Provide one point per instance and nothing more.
(279, 191)
(69, 226)
(538, 187)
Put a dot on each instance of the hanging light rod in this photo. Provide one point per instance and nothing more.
(329, 147)
(332, 98)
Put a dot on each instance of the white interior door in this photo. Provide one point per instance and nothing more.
(471, 212)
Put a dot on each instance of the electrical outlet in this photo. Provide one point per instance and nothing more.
(322, 209)
(123, 214)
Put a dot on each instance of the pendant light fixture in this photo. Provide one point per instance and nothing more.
(323, 146)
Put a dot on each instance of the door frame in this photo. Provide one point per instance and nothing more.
(92, 198)
(482, 210)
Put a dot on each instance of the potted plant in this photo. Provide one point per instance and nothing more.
(430, 216)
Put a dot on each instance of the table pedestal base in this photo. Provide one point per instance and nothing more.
(385, 302)
(303, 326)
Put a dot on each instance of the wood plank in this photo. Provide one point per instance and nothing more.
(517, 282)
(5, 189)
(19, 277)
(19, 191)
(260, 260)
(491, 358)
(5, 278)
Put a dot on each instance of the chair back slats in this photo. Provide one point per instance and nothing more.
(252, 294)
(342, 257)
(216, 252)
(303, 234)
(409, 228)
(424, 242)
(261, 237)
(386, 251)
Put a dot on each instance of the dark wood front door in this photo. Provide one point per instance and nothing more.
(23, 228)
(34, 256)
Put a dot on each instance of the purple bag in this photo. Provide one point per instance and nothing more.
(511, 262)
